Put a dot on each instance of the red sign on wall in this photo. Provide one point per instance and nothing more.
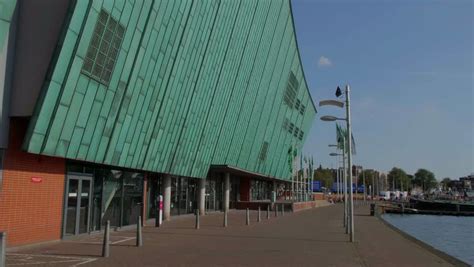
(36, 179)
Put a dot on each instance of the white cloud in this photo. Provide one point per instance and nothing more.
(324, 62)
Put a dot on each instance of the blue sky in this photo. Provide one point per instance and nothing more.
(410, 68)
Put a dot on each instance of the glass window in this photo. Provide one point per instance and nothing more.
(132, 197)
(71, 208)
(103, 48)
(174, 209)
(153, 193)
(260, 190)
(111, 197)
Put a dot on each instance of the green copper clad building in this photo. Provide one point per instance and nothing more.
(176, 97)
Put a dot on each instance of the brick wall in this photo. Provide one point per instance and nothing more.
(244, 189)
(30, 212)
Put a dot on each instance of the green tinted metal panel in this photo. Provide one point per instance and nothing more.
(244, 89)
(194, 83)
(267, 64)
(225, 87)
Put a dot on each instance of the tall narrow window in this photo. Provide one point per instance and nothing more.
(263, 152)
(291, 89)
(103, 48)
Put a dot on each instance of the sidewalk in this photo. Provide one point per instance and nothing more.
(308, 238)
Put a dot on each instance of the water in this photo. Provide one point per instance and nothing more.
(450, 234)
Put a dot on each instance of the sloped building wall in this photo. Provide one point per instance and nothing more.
(174, 86)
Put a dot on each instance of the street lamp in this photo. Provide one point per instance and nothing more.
(337, 103)
(331, 118)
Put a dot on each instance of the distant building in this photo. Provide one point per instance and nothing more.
(467, 182)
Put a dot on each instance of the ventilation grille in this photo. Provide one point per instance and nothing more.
(103, 48)
(297, 104)
(290, 91)
(302, 109)
(291, 127)
(263, 152)
(296, 132)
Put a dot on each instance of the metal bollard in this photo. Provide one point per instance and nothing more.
(247, 221)
(268, 212)
(372, 209)
(225, 218)
(276, 210)
(139, 232)
(106, 244)
(282, 209)
(197, 219)
(159, 215)
(259, 219)
(3, 248)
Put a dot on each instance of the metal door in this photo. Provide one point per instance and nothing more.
(77, 205)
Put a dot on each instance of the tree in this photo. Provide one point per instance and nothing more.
(398, 179)
(325, 176)
(369, 177)
(446, 183)
(425, 179)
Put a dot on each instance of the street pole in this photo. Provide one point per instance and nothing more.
(349, 155)
(292, 185)
(373, 186)
(365, 187)
(346, 214)
(337, 179)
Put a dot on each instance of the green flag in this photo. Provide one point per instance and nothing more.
(342, 134)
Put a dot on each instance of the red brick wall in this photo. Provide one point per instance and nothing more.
(30, 212)
(298, 206)
(244, 189)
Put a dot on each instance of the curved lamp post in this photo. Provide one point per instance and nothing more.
(341, 104)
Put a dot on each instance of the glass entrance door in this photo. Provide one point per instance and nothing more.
(77, 205)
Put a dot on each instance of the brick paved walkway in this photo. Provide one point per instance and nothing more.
(308, 238)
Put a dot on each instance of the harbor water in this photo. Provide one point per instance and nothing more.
(453, 235)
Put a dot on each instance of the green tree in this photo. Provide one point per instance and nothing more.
(398, 179)
(325, 176)
(446, 183)
(425, 179)
(369, 178)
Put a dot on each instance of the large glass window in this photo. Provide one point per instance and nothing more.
(111, 197)
(260, 190)
(153, 193)
(214, 193)
(174, 205)
(116, 195)
(183, 195)
(132, 197)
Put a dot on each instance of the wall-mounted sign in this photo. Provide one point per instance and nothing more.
(36, 179)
